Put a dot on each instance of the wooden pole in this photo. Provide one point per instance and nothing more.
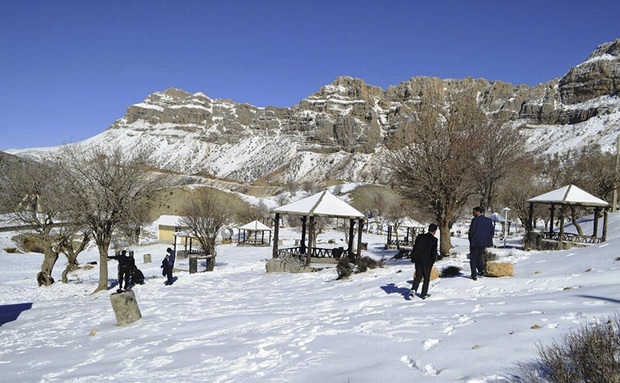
(531, 217)
(604, 225)
(561, 223)
(276, 233)
(359, 237)
(311, 241)
(595, 230)
(615, 200)
(351, 228)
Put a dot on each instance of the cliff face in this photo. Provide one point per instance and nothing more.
(343, 130)
(598, 76)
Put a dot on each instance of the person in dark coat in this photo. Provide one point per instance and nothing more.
(168, 264)
(480, 237)
(424, 255)
(124, 269)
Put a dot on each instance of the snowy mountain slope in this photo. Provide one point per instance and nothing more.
(343, 130)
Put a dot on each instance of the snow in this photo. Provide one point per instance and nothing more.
(240, 324)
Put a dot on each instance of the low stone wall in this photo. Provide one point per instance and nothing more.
(280, 265)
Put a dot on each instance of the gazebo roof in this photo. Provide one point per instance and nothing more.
(321, 204)
(569, 195)
(255, 226)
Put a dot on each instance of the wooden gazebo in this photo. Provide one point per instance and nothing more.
(323, 204)
(412, 229)
(564, 197)
(253, 234)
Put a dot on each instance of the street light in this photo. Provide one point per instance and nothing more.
(506, 210)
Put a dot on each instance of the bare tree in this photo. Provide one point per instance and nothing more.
(110, 190)
(499, 150)
(434, 172)
(590, 169)
(34, 197)
(518, 187)
(205, 214)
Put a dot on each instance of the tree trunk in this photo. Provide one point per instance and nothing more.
(445, 243)
(44, 277)
(72, 254)
(396, 236)
(573, 216)
(103, 267)
(72, 264)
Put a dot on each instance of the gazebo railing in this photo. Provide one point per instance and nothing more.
(401, 242)
(571, 237)
(315, 252)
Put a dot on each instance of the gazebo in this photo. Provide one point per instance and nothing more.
(251, 233)
(564, 197)
(323, 204)
(412, 229)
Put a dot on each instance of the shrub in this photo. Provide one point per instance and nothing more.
(488, 256)
(346, 267)
(450, 271)
(365, 263)
(588, 355)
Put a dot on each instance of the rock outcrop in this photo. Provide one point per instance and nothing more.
(598, 76)
(345, 130)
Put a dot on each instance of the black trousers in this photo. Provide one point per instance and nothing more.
(422, 271)
(476, 262)
(168, 272)
(123, 275)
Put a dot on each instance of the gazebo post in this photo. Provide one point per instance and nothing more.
(552, 210)
(276, 233)
(303, 235)
(360, 228)
(531, 217)
(351, 228)
(561, 223)
(605, 215)
(595, 230)
(310, 240)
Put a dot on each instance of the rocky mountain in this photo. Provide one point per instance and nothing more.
(343, 131)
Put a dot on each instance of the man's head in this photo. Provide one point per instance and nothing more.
(432, 228)
(478, 211)
(124, 253)
(169, 250)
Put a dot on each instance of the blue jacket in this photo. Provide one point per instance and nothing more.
(170, 257)
(481, 232)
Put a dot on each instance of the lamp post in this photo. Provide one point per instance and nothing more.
(506, 210)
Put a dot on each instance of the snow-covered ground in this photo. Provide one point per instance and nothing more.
(240, 324)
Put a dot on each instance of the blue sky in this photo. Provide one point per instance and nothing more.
(69, 69)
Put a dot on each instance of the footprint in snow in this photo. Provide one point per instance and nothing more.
(430, 343)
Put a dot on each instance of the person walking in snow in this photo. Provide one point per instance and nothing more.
(168, 264)
(424, 255)
(124, 269)
(480, 237)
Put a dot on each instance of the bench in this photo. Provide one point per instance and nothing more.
(193, 262)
